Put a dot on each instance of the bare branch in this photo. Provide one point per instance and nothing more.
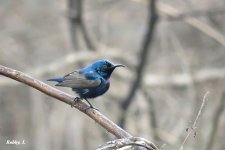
(66, 98)
(191, 130)
(170, 11)
(74, 14)
(128, 143)
(76, 22)
(166, 9)
(143, 58)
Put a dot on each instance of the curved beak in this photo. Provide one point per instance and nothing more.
(118, 65)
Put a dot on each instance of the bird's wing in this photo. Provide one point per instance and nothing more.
(78, 80)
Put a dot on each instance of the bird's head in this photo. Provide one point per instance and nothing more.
(105, 67)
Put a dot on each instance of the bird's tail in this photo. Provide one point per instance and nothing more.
(60, 79)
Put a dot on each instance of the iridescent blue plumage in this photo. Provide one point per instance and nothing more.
(89, 82)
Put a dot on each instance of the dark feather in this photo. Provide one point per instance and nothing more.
(77, 80)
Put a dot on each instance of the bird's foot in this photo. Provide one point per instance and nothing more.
(74, 101)
(91, 107)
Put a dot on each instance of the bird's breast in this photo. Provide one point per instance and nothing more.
(95, 91)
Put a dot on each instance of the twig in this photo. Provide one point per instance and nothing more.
(66, 98)
(166, 9)
(89, 42)
(74, 14)
(128, 142)
(152, 20)
(170, 11)
(193, 127)
(76, 21)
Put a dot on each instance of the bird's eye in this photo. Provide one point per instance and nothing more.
(104, 67)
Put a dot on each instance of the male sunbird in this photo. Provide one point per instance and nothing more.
(89, 82)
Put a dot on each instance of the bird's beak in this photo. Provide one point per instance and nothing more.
(118, 65)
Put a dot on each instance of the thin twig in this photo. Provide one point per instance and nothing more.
(66, 98)
(193, 127)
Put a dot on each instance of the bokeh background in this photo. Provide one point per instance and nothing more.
(172, 67)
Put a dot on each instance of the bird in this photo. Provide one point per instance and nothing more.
(89, 82)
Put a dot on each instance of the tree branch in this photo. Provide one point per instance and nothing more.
(66, 98)
(143, 58)
(76, 20)
(168, 10)
(128, 142)
(74, 13)
(165, 9)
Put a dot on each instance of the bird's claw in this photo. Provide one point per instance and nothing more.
(94, 108)
(74, 101)
(91, 107)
